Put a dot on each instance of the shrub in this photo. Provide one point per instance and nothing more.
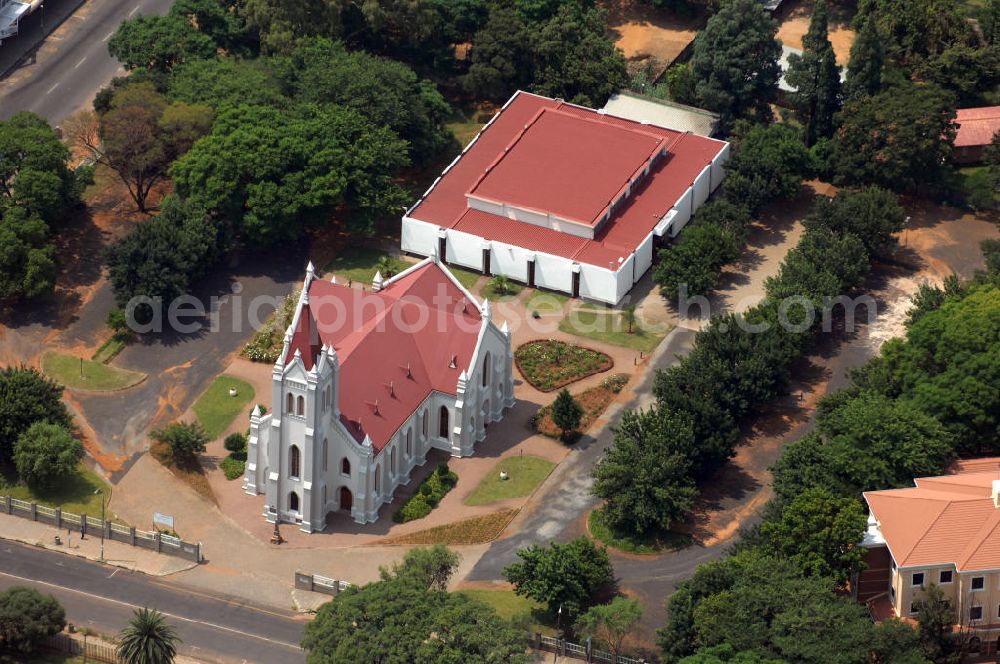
(185, 440)
(233, 467)
(615, 383)
(236, 443)
(46, 454)
(566, 412)
(27, 618)
(428, 495)
(414, 508)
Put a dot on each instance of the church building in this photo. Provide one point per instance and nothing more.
(368, 382)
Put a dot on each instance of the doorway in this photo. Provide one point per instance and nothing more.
(346, 499)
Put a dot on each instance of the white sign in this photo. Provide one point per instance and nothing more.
(164, 520)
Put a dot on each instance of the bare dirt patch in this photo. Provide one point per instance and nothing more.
(795, 24)
(647, 35)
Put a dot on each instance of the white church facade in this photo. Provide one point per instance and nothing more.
(367, 384)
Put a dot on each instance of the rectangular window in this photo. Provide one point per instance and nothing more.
(918, 579)
(946, 576)
(978, 582)
(913, 609)
(976, 613)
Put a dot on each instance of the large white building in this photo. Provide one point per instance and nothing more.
(367, 383)
(565, 197)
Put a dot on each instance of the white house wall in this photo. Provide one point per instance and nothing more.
(511, 261)
(702, 186)
(465, 249)
(718, 167)
(554, 273)
(683, 207)
(643, 257)
(418, 237)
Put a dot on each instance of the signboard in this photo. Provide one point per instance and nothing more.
(164, 520)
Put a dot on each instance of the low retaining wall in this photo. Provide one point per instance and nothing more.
(320, 584)
(88, 525)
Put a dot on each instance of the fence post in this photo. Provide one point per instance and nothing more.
(107, 530)
(538, 640)
(562, 647)
(131, 535)
(198, 553)
(34, 511)
(58, 518)
(83, 526)
(159, 544)
(10, 504)
(336, 587)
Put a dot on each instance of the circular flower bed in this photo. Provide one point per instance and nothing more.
(549, 364)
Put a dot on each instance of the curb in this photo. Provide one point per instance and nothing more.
(29, 45)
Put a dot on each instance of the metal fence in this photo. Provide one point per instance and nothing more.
(586, 653)
(88, 525)
(94, 649)
(320, 584)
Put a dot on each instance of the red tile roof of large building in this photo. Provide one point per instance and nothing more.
(976, 126)
(541, 155)
(950, 519)
(395, 347)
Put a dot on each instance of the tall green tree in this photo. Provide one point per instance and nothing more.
(735, 62)
(935, 624)
(645, 476)
(564, 577)
(27, 397)
(46, 454)
(815, 77)
(864, 69)
(768, 162)
(871, 214)
(819, 532)
(147, 639)
(279, 25)
(566, 412)
(899, 139)
(27, 259)
(158, 43)
(27, 618)
(611, 623)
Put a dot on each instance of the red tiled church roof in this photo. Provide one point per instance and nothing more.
(580, 159)
(395, 346)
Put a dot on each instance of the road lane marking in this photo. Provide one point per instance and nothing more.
(134, 10)
(119, 602)
(108, 36)
(56, 85)
(115, 572)
(77, 65)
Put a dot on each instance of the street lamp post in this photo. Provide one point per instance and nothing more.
(103, 522)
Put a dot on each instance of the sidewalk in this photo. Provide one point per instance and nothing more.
(118, 554)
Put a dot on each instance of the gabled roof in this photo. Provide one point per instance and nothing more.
(416, 335)
(950, 519)
(976, 126)
(577, 153)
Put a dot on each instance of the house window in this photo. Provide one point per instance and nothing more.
(289, 403)
(486, 370)
(918, 579)
(324, 497)
(976, 613)
(300, 406)
(293, 461)
(378, 479)
(443, 422)
(326, 449)
(293, 501)
(395, 466)
(945, 576)
(978, 582)
(423, 425)
(409, 442)
(345, 466)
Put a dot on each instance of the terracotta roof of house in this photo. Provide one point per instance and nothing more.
(395, 347)
(570, 161)
(976, 126)
(947, 519)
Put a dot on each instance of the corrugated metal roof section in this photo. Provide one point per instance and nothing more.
(662, 113)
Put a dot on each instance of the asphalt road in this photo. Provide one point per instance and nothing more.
(103, 598)
(73, 64)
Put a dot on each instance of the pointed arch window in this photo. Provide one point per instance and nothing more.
(443, 422)
(345, 466)
(294, 461)
(326, 450)
(289, 403)
(486, 370)
(300, 405)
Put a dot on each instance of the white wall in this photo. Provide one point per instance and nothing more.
(684, 209)
(598, 283)
(554, 273)
(465, 249)
(509, 260)
(718, 167)
(418, 237)
(643, 257)
(702, 186)
(623, 279)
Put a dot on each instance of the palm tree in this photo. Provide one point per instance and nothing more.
(500, 284)
(386, 266)
(148, 639)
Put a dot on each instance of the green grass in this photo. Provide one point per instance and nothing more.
(75, 495)
(546, 302)
(66, 369)
(216, 409)
(652, 543)
(464, 132)
(467, 278)
(525, 473)
(607, 327)
(359, 264)
(491, 293)
(109, 349)
(509, 606)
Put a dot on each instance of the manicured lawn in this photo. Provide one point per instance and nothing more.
(359, 264)
(477, 530)
(545, 302)
(464, 132)
(593, 401)
(524, 474)
(509, 605)
(607, 327)
(550, 364)
(653, 543)
(109, 349)
(66, 369)
(216, 410)
(75, 495)
(491, 293)
(467, 278)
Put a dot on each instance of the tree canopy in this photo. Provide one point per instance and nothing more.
(46, 454)
(27, 397)
(564, 577)
(27, 618)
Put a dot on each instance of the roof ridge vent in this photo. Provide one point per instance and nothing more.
(454, 362)
(392, 389)
(375, 410)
